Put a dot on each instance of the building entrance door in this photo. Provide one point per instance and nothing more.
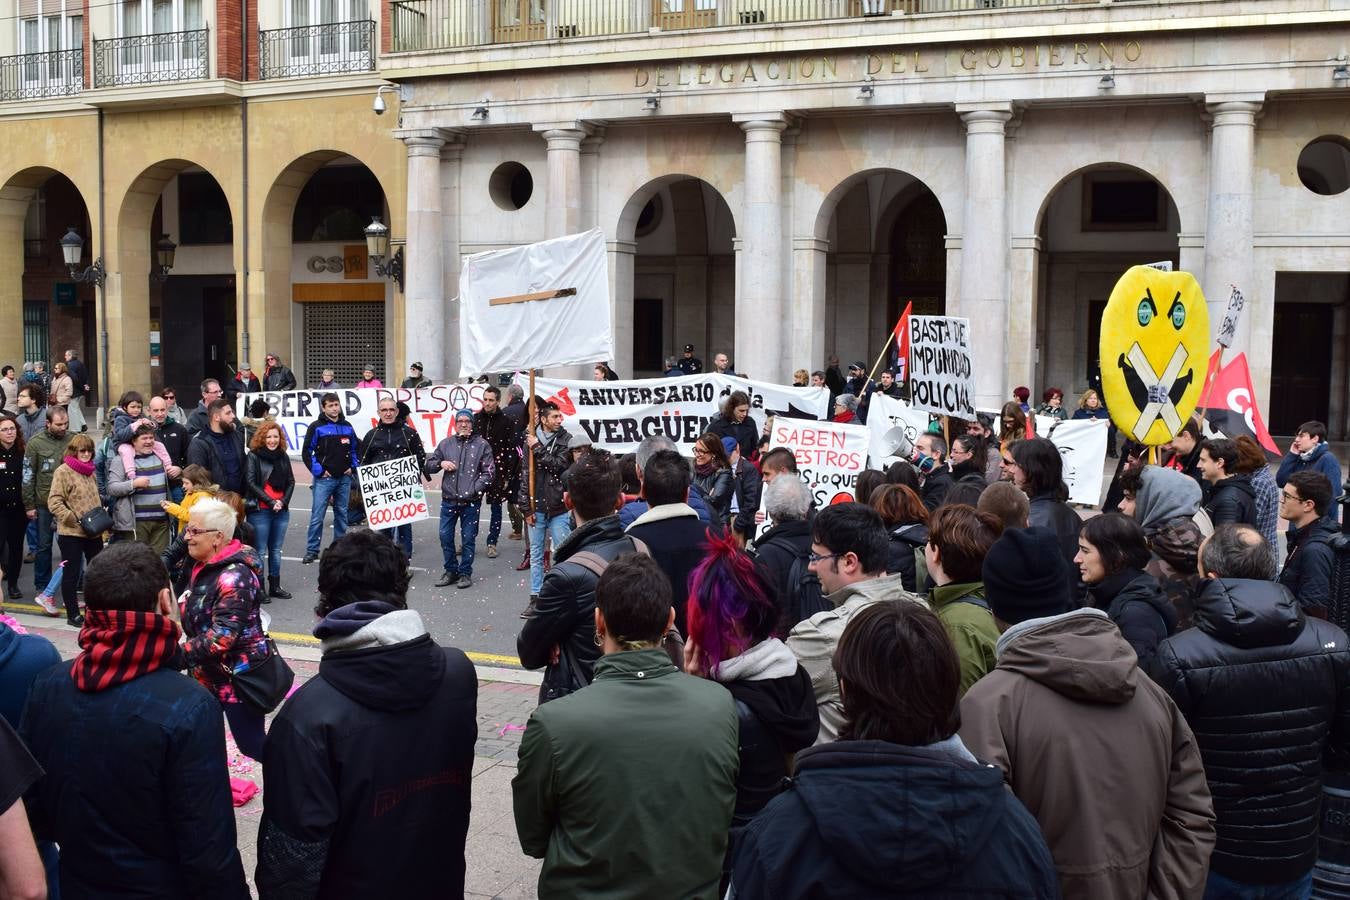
(1300, 383)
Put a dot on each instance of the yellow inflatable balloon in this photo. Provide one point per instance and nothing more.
(1155, 344)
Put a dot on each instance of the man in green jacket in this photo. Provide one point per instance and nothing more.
(40, 459)
(958, 539)
(626, 787)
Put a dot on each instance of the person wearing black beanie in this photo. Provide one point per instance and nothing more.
(1067, 705)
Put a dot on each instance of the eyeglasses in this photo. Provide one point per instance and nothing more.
(821, 557)
(190, 531)
(1293, 498)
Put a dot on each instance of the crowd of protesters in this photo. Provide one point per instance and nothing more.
(954, 685)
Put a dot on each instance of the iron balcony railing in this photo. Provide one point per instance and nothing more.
(59, 73)
(438, 24)
(317, 49)
(151, 58)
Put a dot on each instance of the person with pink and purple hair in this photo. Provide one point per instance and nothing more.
(731, 615)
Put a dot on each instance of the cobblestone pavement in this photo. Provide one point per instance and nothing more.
(495, 865)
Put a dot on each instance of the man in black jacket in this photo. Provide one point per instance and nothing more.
(930, 458)
(1267, 692)
(219, 448)
(243, 382)
(547, 516)
(137, 792)
(505, 437)
(199, 418)
(1232, 499)
(787, 500)
(1304, 501)
(369, 764)
(557, 634)
(393, 438)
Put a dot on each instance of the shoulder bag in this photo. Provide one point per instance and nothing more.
(96, 521)
(263, 686)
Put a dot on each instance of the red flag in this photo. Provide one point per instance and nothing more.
(901, 332)
(1230, 405)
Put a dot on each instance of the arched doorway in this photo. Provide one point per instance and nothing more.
(45, 311)
(1095, 224)
(684, 273)
(183, 321)
(886, 249)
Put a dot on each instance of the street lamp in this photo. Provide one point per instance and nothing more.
(72, 248)
(377, 248)
(164, 250)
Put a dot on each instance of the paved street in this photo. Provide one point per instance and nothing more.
(496, 867)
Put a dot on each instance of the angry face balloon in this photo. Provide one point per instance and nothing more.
(1155, 340)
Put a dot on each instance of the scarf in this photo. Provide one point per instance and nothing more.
(707, 468)
(280, 475)
(118, 645)
(76, 465)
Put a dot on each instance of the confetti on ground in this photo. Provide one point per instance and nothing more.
(510, 726)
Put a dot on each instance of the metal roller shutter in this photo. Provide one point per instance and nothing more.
(344, 337)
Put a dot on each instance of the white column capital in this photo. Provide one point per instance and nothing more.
(762, 125)
(985, 118)
(1234, 108)
(562, 135)
(426, 141)
(627, 248)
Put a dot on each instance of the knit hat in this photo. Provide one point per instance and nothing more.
(730, 444)
(1025, 576)
(580, 441)
(859, 365)
(464, 414)
(416, 365)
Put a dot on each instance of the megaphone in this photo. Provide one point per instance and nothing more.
(895, 443)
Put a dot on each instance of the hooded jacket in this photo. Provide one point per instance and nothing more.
(969, 623)
(369, 765)
(22, 657)
(504, 437)
(1232, 500)
(813, 643)
(330, 446)
(1307, 569)
(42, 455)
(1267, 691)
(775, 552)
(871, 819)
(220, 618)
(678, 540)
(1318, 459)
(746, 433)
(472, 457)
(1140, 609)
(903, 541)
(1163, 495)
(1101, 757)
(1176, 550)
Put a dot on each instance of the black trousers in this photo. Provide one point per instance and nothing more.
(13, 524)
(75, 551)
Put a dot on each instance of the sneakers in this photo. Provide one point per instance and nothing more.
(48, 605)
(447, 577)
(528, 611)
(491, 551)
(516, 536)
(77, 622)
(464, 581)
(309, 558)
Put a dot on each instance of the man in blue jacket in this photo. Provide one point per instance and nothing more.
(1310, 452)
(136, 791)
(330, 455)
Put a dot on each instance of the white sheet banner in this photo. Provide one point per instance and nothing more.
(829, 455)
(893, 426)
(433, 409)
(1082, 446)
(941, 371)
(393, 492)
(617, 415)
(556, 311)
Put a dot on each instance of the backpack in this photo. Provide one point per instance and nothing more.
(673, 642)
(805, 597)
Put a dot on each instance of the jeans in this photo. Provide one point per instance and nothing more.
(32, 536)
(494, 523)
(400, 535)
(248, 729)
(42, 557)
(467, 515)
(1220, 888)
(340, 490)
(269, 529)
(75, 550)
(559, 527)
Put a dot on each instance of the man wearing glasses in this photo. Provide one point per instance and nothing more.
(849, 550)
(1305, 501)
(199, 420)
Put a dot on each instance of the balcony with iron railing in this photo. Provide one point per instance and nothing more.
(328, 49)
(28, 76)
(151, 58)
(444, 24)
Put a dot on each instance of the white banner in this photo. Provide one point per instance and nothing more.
(393, 492)
(941, 376)
(556, 311)
(893, 426)
(1082, 446)
(829, 455)
(433, 409)
(617, 415)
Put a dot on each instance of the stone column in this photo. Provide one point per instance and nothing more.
(761, 311)
(807, 313)
(622, 256)
(1024, 298)
(984, 247)
(1228, 221)
(562, 198)
(452, 155)
(590, 179)
(423, 277)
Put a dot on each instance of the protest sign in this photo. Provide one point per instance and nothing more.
(829, 455)
(1228, 328)
(617, 415)
(893, 426)
(432, 409)
(393, 492)
(1082, 447)
(543, 304)
(941, 374)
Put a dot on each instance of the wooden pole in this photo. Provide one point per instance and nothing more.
(877, 365)
(529, 430)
